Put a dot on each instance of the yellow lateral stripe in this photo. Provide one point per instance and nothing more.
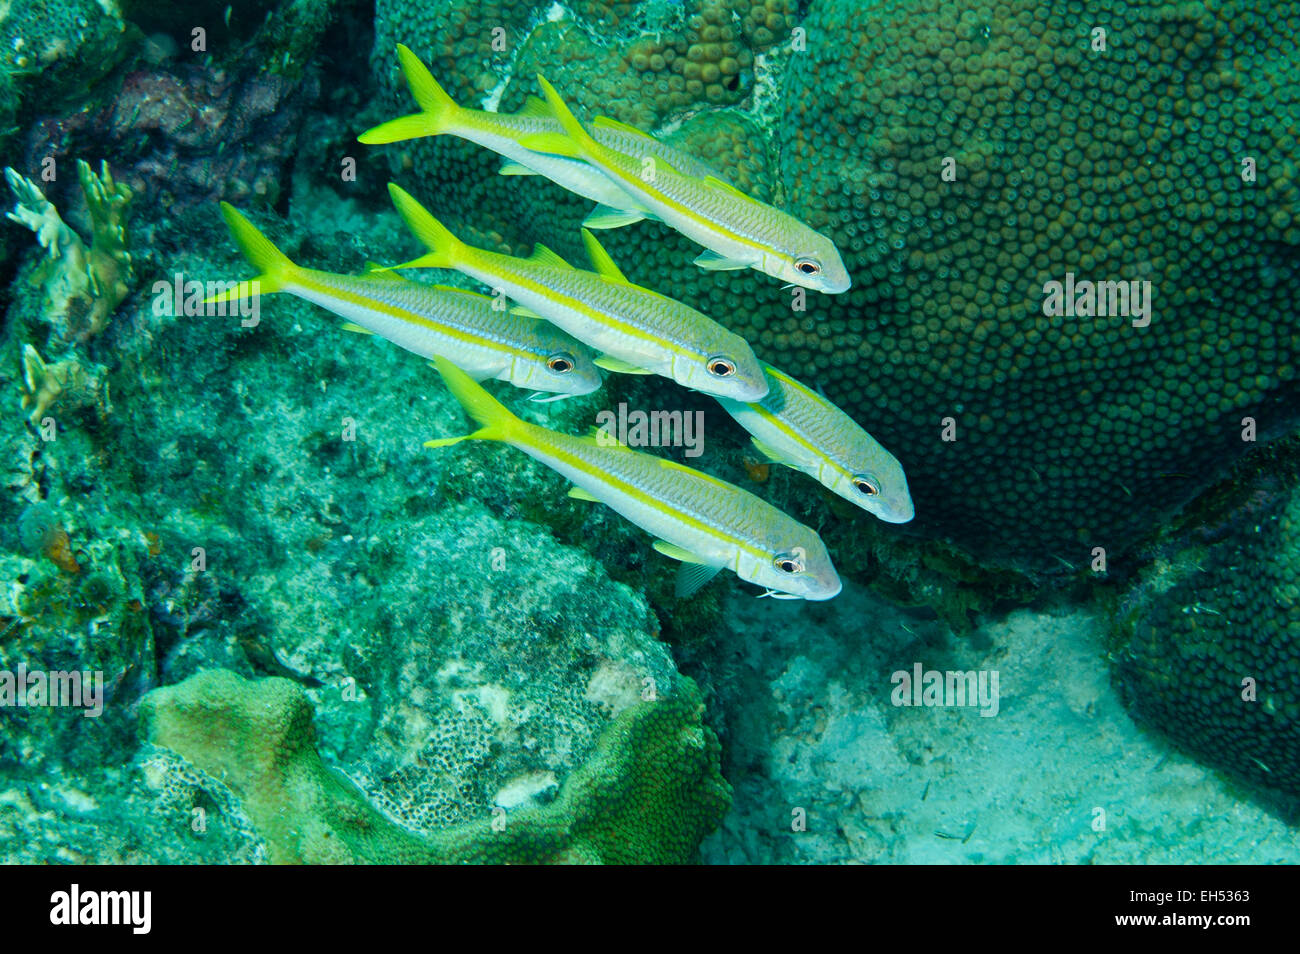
(789, 431)
(788, 428)
(610, 167)
(577, 133)
(401, 314)
(486, 260)
(656, 503)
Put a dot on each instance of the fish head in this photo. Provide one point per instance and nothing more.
(730, 370)
(810, 260)
(795, 565)
(873, 479)
(561, 367)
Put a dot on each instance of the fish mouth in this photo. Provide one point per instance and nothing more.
(897, 514)
(826, 593)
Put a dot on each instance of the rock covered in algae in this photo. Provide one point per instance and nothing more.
(648, 793)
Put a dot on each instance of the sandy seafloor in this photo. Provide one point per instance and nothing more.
(878, 782)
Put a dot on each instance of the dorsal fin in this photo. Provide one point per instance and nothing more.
(600, 259)
(727, 187)
(544, 256)
(607, 123)
(533, 106)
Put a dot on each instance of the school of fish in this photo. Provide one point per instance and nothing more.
(569, 324)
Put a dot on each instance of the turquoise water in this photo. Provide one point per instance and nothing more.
(1018, 281)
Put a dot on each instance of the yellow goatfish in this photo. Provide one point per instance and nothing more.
(440, 115)
(738, 231)
(796, 426)
(706, 523)
(473, 329)
(637, 329)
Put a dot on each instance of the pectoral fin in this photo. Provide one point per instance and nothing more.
(691, 578)
(692, 574)
(355, 328)
(512, 168)
(618, 365)
(577, 493)
(604, 217)
(720, 263)
(771, 453)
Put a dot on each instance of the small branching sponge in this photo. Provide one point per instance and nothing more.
(83, 284)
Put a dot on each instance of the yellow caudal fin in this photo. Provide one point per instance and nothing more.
(496, 422)
(574, 141)
(445, 250)
(437, 113)
(274, 268)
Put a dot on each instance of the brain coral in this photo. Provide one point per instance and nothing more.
(1208, 648)
(1115, 155)
(649, 792)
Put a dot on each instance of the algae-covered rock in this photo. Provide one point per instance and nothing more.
(648, 793)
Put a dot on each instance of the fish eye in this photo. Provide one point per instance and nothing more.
(789, 563)
(561, 363)
(868, 485)
(809, 266)
(721, 367)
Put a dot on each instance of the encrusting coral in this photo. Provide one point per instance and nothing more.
(649, 793)
(82, 283)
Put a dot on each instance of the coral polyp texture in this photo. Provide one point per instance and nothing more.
(649, 793)
(963, 156)
(1116, 164)
(1208, 646)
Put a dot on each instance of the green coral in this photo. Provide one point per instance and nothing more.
(1206, 646)
(649, 793)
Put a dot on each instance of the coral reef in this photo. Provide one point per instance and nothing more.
(1120, 163)
(52, 54)
(460, 656)
(649, 793)
(82, 284)
(1207, 646)
(69, 383)
(183, 135)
